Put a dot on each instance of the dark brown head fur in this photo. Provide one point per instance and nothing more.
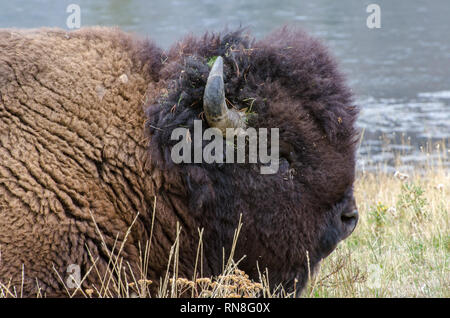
(293, 84)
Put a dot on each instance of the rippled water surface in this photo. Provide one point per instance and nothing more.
(400, 73)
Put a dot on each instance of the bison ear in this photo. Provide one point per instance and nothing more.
(201, 194)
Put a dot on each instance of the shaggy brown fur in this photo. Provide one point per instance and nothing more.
(73, 106)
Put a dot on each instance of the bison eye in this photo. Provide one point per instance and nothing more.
(287, 151)
(284, 165)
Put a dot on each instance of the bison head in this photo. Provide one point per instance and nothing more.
(286, 81)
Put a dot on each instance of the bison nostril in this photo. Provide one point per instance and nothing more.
(350, 216)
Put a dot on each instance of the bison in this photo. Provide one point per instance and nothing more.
(86, 119)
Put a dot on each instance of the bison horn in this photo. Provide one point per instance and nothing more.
(217, 113)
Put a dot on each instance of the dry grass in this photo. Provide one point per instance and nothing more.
(400, 248)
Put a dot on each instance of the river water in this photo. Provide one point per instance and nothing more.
(400, 73)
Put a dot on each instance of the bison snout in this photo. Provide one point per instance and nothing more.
(349, 220)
